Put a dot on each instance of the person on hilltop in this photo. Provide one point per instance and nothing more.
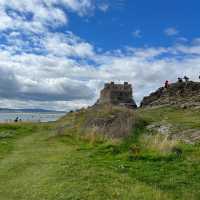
(166, 84)
(180, 80)
(186, 79)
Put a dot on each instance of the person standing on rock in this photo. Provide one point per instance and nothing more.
(166, 84)
(180, 80)
(186, 79)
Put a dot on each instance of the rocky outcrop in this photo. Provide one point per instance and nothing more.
(183, 94)
(114, 122)
(189, 136)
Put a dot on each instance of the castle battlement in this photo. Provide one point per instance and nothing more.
(113, 86)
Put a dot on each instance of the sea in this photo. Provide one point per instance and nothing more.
(7, 117)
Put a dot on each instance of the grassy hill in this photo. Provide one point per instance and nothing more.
(68, 160)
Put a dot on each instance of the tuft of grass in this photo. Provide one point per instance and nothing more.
(93, 136)
(159, 143)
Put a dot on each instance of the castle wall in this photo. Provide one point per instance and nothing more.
(117, 94)
(105, 96)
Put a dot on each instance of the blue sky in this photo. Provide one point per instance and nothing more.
(151, 18)
(57, 54)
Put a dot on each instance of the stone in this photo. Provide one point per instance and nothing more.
(117, 94)
(190, 136)
(161, 128)
(111, 121)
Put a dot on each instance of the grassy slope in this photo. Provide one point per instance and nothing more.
(37, 162)
(185, 118)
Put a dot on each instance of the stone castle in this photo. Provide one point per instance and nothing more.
(117, 94)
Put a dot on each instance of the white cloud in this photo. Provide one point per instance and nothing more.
(5, 20)
(68, 76)
(171, 31)
(38, 15)
(80, 6)
(67, 45)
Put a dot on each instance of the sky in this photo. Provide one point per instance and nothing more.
(57, 54)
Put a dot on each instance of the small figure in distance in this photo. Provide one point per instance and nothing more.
(180, 80)
(16, 119)
(166, 84)
(186, 79)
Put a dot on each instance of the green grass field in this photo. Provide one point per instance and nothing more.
(37, 162)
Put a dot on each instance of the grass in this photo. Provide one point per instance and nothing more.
(185, 118)
(43, 162)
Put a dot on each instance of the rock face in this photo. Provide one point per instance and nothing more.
(183, 94)
(117, 94)
(189, 136)
(111, 121)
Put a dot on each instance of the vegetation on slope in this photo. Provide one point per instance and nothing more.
(62, 161)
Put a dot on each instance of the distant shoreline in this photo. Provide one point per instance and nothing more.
(20, 112)
(29, 116)
(8, 110)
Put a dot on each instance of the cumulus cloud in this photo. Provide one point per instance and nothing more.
(38, 15)
(67, 45)
(47, 69)
(68, 77)
(16, 86)
(8, 82)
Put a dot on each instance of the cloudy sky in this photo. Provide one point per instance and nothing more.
(57, 54)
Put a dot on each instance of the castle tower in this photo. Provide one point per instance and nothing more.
(117, 94)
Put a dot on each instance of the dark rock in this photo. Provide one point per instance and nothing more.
(111, 121)
(182, 94)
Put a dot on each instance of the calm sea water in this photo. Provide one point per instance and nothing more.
(32, 117)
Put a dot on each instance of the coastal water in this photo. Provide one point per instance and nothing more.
(31, 117)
